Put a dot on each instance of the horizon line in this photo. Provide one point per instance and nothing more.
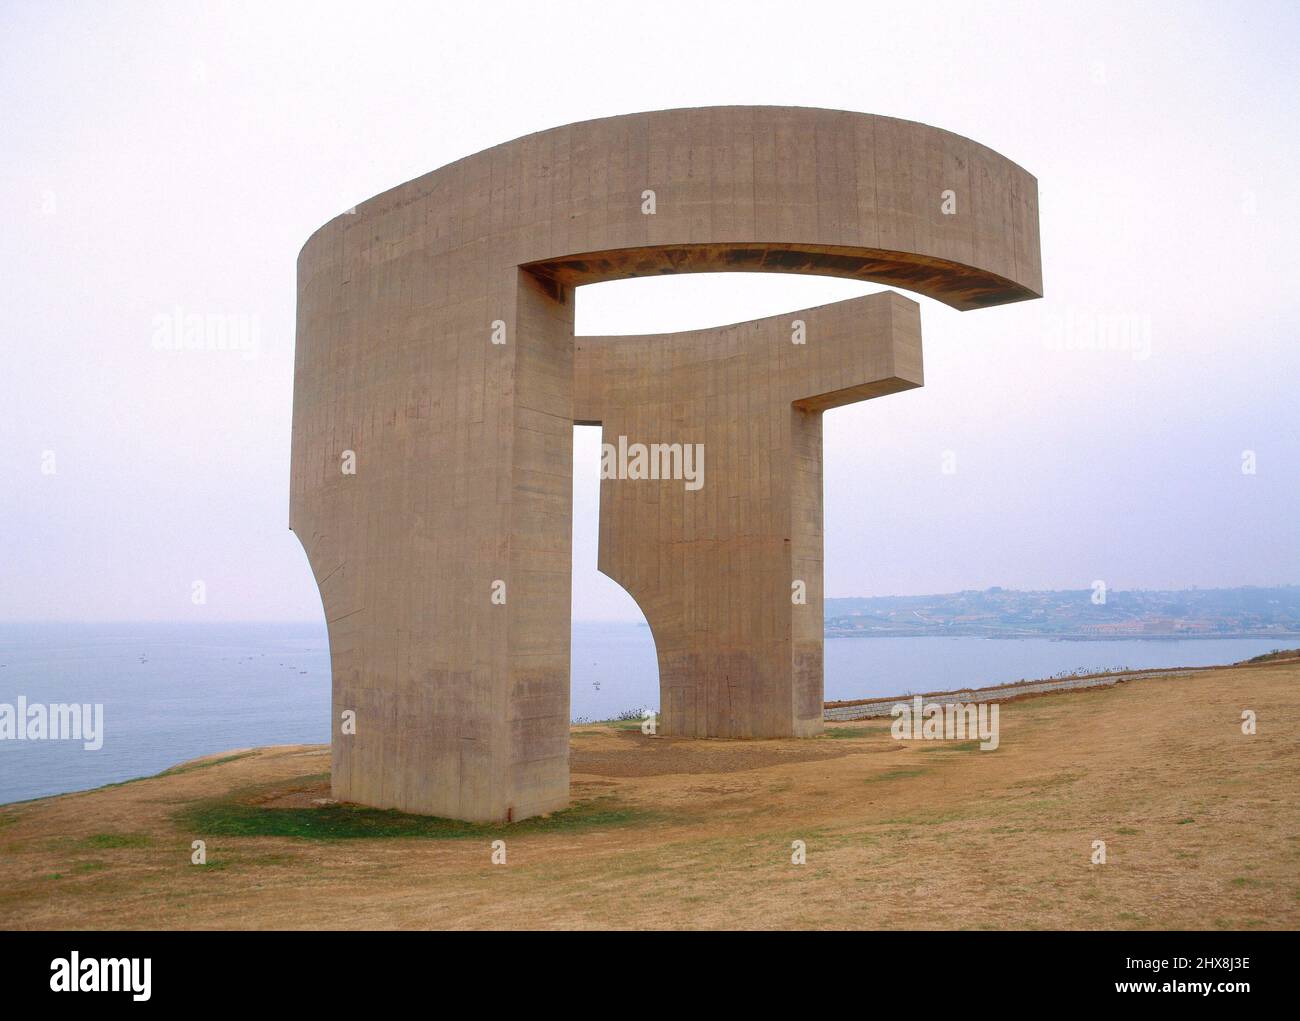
(616, 620)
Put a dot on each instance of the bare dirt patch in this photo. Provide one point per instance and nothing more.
(624, 753)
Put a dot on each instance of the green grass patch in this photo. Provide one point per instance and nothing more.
(102, 841)
(234, 816)
(895, 774)
(843, 732)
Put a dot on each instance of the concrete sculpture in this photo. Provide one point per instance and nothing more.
(438, 379)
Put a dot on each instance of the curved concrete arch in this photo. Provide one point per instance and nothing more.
(435, 348)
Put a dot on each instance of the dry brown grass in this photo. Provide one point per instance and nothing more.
(1201, 823)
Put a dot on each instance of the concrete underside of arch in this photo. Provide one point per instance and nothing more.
(435, 345)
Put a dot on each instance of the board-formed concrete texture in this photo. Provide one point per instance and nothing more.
(728, 573)
(437, 381)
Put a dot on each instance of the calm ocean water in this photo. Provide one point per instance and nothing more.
(173, 692)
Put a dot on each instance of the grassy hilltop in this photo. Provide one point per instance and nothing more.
(1201, 824)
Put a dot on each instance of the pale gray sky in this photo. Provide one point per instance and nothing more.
(168, 159)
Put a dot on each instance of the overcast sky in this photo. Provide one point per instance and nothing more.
(169, 159)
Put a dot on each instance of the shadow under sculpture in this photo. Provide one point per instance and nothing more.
(437, 381)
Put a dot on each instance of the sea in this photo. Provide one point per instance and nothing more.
(174, 692)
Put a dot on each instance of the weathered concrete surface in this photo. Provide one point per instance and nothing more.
(715, 570)
(463, 446)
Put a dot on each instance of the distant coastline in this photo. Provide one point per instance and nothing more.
(1078, 615)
